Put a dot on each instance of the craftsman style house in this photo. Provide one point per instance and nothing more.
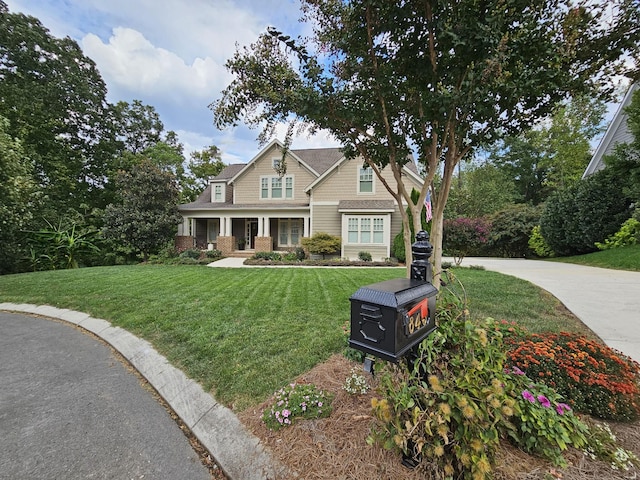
(250, 207)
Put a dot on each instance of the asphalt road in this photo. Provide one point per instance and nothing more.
(69, 409)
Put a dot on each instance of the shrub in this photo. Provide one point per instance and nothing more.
(462, 236)
(511, 229)
(364, 256)
(297, 401)
(272, 256)
(322, 244)
(398, 248)
(192, 253)
(592, 377)
(213, 253)
(538, 245)
(576, 218)
(629, 234)
(451, 405)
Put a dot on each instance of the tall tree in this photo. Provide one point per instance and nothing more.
(138, 125)
(146, 216)
(54, 99)
(16, 190)
(202, 165)
(429, 77)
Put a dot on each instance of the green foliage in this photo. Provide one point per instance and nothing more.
(629, 234)
(60, 246)
(574, 219)
(397, 249)
(16, 188)
(213, 254)
(364, 256)
(511, 229)
(193, 253)
(295, 402)
(450, 406)
(146, 216)
(592, 377)
(273, 256)
(464, 235)
(322, 244)
(538, 245)
(479, 191)
(355, 383)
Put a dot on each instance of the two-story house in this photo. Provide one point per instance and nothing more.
(250, 207)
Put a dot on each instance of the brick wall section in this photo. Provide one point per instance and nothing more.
(184, 242)
(226, 244)
(264, 244)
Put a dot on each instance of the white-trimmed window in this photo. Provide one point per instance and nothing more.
(217, 193)
(276, 187)
(289, 232)
(365, 229)
(365, 180)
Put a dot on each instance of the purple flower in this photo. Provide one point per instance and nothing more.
(562, 407)
(527, 395)
(286, 413)
(544, 401)
(517, 371)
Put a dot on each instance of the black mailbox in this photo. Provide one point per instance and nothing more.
(388, 319)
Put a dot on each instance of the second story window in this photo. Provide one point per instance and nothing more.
(365, 184)
(217, 193)
(276, 187)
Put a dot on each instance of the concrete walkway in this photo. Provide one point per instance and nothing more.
(45, 367)
(607, 301)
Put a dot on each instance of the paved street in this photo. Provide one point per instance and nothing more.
(70, 410)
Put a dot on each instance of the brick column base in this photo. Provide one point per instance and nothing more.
(264, 244)
(226, 244)
(184, 242)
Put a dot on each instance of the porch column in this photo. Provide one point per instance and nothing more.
(260, 226)
(267, 227)
(305, 230)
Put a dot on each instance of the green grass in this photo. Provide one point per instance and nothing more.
(243, 333)
(623, 258)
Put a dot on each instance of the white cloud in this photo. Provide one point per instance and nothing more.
(132, 63)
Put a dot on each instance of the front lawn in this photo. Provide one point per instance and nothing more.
(243, 333)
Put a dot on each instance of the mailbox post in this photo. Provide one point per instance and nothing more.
(389, 319)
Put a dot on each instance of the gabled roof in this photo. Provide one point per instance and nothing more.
(616, 132)
(228, 172)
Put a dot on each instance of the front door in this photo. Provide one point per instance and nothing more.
(251, 233)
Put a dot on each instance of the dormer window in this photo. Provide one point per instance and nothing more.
(217, 193)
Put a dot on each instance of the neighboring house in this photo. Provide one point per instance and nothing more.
(618, 132)
(248, 206)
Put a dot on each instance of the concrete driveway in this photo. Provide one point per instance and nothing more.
(607, 301)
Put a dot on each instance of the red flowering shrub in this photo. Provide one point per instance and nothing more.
(462, 236)
(592, 377)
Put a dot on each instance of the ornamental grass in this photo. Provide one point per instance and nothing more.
(592, 377)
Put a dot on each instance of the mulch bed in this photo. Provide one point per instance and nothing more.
(335, 447)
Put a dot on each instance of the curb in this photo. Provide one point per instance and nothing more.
(235, 449)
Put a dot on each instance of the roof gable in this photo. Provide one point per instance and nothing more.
(617, 132)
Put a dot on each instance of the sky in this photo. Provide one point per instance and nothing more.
(170, 54)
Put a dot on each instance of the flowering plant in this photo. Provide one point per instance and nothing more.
(592, 377)
(297, 401)
(355, 383)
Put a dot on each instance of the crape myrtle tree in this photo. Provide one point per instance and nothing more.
(432, 78)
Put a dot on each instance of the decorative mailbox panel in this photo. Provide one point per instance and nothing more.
(389, 318)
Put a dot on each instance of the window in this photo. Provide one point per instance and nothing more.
(275, 163)
(289, 232)
(276, 187)
(217, 193)
(365, 230)
(365, 184)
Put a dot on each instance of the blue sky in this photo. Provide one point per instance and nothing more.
(170, 54)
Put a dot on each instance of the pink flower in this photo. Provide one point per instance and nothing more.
(544, 401)
(319, 404)
(286, 413)
(517, 371)
(562, 407)
(527, 395)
